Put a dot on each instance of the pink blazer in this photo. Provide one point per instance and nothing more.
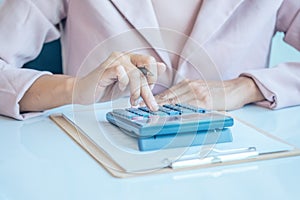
(229, 39)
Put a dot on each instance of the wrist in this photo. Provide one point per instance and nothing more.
(249, 89)
(68, 89)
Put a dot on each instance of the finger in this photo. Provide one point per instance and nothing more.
(113, 74)
(113, 60)
(147, 96)
(135, 85)
(148, 66)
(109, 77)
(177, 90)
(168, 96)
(172, 97)
(152, 71)
(136, 80)
(141, 89)
(161, 68)
(183, 98)
(122, 78)
(197, 103)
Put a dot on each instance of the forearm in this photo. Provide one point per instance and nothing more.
(47, 92)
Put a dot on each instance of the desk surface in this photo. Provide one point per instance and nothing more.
(39, 161)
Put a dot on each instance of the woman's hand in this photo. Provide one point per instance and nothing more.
(110, 80)
(118, 74)
(226, 95)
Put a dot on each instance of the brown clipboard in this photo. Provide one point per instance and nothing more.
(115, 170)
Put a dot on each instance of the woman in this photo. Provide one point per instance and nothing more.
(235, 34)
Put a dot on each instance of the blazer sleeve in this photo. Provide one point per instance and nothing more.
(24, 26)
(281, 84)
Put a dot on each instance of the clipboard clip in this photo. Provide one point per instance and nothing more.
(221, 156)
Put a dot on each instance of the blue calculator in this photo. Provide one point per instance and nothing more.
(170, 120)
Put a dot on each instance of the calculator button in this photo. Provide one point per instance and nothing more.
(124, 113)
(173, 107)
(169, 111)
(145, 109)
(156, 113)
(138, 112)
(190, 107)
(181, 110)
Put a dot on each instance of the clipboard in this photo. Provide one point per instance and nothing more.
(121, 165)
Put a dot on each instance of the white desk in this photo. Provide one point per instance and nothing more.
(39, 161)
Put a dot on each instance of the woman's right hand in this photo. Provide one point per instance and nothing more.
(120, 74)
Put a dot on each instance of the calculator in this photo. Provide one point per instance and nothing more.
(185, 139)
(169, 119)
(172, 126)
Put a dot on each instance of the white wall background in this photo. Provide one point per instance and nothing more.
(281, 52)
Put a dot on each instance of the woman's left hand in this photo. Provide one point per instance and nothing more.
(213, 95)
